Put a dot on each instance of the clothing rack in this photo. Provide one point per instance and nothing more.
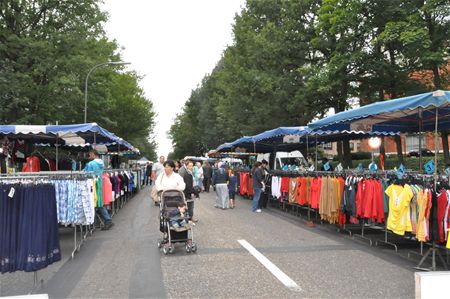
(425, 180)
(52, 175)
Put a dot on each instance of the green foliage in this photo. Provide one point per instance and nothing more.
(47, 48)
(292, 61)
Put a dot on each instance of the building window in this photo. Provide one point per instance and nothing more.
(328, 146)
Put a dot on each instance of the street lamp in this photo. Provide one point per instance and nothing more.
(87, 78)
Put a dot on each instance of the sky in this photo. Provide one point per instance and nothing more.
(173, 44)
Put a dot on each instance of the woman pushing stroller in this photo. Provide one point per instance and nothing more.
(169, 179)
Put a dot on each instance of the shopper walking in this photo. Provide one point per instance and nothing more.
(169, 179)
(188, 176)
(232, 182)
(96, 166)
(264, 198)
(220, 178)
(148, 174)
(258, 185)
(198, 176)
(207, 175)
(158, 168)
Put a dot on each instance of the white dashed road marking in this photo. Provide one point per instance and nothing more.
(286, 280)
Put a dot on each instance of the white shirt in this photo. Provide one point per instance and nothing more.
(174, 181)
(158, 168)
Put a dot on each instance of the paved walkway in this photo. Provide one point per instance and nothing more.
(125, 262)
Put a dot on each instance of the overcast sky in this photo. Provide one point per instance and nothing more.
(173, 43)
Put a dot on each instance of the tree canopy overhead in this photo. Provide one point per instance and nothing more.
(47, 48)
(292, 61)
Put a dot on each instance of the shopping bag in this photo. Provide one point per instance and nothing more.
(154, 194)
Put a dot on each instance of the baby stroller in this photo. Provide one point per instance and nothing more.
(169, 200)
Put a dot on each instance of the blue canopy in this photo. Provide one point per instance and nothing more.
(277, 135)
(399, 115)
(76, 135)
(293, 138)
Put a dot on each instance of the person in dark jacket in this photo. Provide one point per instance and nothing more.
(258, 185)
(187, 174)
(207, 175)
(148, 173)
(220, 180)
(232, 181)
(265, 193)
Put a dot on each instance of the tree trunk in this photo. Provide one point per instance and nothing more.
(340, 152)
(398, 142)
(444, 136)
(347, 154)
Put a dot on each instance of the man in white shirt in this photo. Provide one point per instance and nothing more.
(158, 168)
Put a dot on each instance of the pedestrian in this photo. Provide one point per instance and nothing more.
(96, 166)
(177, 166)
(148, 174)
(220, 179)
(188, 176)
(168, 179)
(258, 185)
(232, 182)
(158, 167)
(198, 176)
(267, 183)
(207, 175)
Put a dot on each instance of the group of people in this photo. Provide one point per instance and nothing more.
(193, 179)
(183, 180)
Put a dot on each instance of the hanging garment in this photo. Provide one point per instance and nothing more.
(106, 189)
(33, 164)
(293, 190)
(31, 241)
(316, 184)
(399, 199)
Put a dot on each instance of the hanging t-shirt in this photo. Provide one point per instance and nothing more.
(399, 199)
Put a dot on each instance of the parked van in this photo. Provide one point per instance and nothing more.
(284, 159)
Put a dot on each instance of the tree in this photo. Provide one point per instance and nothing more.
(46, 48)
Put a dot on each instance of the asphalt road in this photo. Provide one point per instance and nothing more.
(125, 261)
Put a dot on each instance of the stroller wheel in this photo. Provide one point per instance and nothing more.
(194, 247)
(165, 250)
(159, 244)
(188, 248)
(171, 249)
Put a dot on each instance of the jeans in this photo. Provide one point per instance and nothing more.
(256, 196)
(263, 200)
(190, 208)
(178, 223)
(105, 215)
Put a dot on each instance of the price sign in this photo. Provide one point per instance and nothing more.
(373, 167)
(401, 171)
(429, 167)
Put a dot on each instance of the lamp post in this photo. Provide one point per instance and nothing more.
(87, 78)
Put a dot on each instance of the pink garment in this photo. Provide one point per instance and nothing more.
(106, 190)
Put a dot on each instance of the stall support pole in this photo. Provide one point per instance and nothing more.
(420, 138)
(344, 229)
(433, 251)
(385, 241)
(361, 236)
(417, 253)
(436, 147)
(37, 284)
(57, 152)
(315, 167)
(307, 148)
(75, 247)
